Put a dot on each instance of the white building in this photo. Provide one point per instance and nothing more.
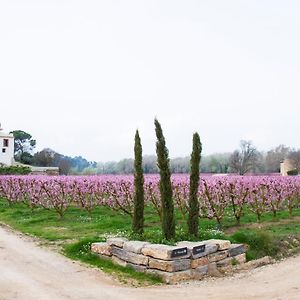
(286, 166)
(6, 148)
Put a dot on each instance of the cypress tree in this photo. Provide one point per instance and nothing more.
(193, 218)
(163, 162)
(138, 213)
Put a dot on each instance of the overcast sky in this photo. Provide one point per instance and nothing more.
(81, 76)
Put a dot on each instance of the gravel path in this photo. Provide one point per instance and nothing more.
(29, 272)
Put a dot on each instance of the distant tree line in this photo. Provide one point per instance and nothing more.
(246, 159)
(66, 164)
(24, 153)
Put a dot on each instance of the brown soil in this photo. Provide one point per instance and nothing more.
(29, 272)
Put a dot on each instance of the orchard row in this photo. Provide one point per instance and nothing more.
(217, 196)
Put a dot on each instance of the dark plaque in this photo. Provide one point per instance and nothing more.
(198, 249)
(179, 252)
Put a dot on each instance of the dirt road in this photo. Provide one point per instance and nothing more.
(29, 272)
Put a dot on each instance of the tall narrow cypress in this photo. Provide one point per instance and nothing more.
(138, 213)
(163, 162)
(193, 219)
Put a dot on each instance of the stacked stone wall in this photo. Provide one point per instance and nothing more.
(185, 261)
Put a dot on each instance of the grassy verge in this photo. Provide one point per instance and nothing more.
(276, 237)
(81, 251)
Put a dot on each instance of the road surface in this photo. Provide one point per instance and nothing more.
(29, 271)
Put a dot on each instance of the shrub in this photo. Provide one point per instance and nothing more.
(15, 170)
(261, 243)
(293, 172)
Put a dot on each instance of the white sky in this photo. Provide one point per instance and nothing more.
(81, 76)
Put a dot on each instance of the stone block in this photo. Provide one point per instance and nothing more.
(134, 246)
(105, 257)
(170, 265)
(255, 263)
(199, 262)
(174, 277)
(213, 270)
(259, 262)
(222, 244)
(226, 269)
(239, 259)
(166, 252)
(131, 257)
(224, 262)
(119, 261)
(209, 248)
(101, 248)
(217, 256)
(116, 241)
(236, 249)
(138, 268)
(200, 272)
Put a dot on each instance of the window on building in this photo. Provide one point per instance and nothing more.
(3, 150)
(5, 143)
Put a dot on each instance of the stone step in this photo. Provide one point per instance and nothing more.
(134, 246)
(101, 248)
(170, 265)
(194, 248)
(130, 257)
(116, 241)
(166, 252)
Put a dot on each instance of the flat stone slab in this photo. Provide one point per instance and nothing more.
(116, 241)
(217, 256)
(116, 260)
(104, 257)
(199, 262)
(226, 269)
(123, 263)
(236, 249)
(138, 268)
(200, 272)
(130, 257)
(171, 278)
(134, 246)
(225, 262)
(166, 252)
(213, 270)
(256, 263)
(209, 248)
(222, 244)
(198, 249)
(240, 259)
(101, 248)
(170, 265)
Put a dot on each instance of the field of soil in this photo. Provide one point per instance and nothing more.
(30, 271)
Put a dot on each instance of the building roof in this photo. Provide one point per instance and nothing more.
(6, 135)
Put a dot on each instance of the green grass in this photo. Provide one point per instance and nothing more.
(77, 229)
(81, 251)
(261, 243)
